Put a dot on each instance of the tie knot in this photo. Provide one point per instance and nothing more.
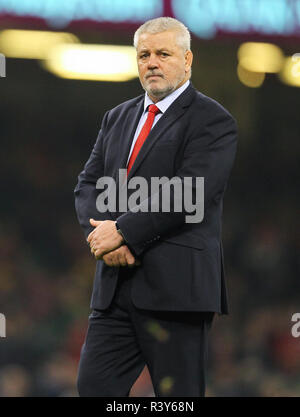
(153, 109)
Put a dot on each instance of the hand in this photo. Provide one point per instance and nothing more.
(104, 238)
(120, 257)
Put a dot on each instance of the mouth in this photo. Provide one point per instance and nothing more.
(154, 76)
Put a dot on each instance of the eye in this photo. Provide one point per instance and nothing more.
(164, 54)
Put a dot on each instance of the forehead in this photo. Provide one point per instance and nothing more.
(166, 39)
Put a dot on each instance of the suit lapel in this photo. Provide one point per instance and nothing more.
(132, 120)
(177, 108)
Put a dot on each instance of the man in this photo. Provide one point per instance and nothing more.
(159, 279)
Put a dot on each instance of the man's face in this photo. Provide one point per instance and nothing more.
(163, 65)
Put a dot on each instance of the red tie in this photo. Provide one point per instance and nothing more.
(152, 112)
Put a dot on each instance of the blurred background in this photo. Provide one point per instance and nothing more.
(63, 65)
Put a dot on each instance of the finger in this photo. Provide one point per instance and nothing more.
(92, 248)
(99, 252)
(95, 223)
(129, 258)
(107, 260)
(93, 242)
(100, 257)
(90, 236)
(122, 258)
(115, 258)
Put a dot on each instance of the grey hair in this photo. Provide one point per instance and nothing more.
(162, 24)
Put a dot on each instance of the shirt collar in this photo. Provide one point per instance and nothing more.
(168, 100)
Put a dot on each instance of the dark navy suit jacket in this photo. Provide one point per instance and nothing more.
(182, 265)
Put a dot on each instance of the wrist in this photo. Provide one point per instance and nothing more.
(120, 232)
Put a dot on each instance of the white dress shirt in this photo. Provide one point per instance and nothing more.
(162, 105)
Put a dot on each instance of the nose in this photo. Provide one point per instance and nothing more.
(152, 62)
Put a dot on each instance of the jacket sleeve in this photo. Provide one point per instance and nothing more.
(85, 190)
(209, 153)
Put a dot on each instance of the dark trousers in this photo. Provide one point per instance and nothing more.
(122, 339)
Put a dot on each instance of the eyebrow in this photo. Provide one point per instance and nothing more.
(158, 50)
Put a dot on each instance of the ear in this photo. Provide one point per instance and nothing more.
(188, 56)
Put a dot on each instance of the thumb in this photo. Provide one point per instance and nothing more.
(94, 222)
